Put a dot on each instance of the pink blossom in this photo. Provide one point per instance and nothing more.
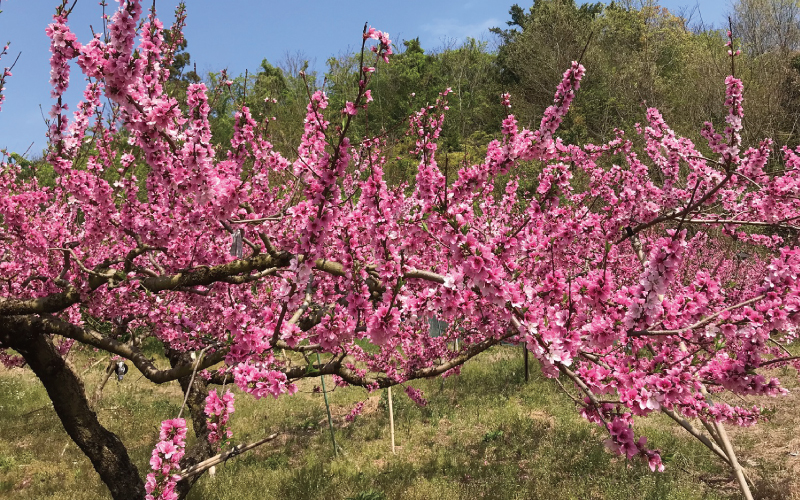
(165, 460)
(645, 287)
(350, 109)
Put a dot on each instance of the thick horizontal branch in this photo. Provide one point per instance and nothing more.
(19, 326)
(51, 303)
(202, 276)
(236, 272)
(205, 276)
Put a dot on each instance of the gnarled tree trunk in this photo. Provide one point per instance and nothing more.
(65, 389)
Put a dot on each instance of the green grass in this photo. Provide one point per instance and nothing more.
(484, 434)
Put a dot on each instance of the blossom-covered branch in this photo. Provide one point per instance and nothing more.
(650, 292)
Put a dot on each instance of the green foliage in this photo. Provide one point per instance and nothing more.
(416, 79)
(368, 495)
(181, 71)
(637, 55)
(275, 95)
(645, 56)
(634, 57)
(492, 436)
(38, 168)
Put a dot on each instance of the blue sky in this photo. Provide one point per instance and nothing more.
(238, 34)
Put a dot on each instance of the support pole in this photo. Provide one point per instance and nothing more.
(726, 444)
(527, 372)
(737, 469)
(391, 419)
(328, 409)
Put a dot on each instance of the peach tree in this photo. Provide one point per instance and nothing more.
(650, 278)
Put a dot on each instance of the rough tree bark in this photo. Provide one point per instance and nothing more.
(65, 389)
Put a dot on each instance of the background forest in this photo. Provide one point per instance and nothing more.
(637, 54)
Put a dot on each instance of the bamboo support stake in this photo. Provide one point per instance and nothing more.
(391, 419)
(94, 364)
(197, 362)
(728, 447)
(697, 434)
(734, 462)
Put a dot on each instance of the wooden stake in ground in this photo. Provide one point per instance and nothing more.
(525, 354)
(391, 418)
(328, 408)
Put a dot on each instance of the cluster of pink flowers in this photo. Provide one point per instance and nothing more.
(384, 47)
(11, 360)
(591, 276)
(728, 145)
(729, 44)
(623, 442)
(218, 410)
(416, 396)
(261, 381)
(565, 93)
(64, 46)
(165, 461)
(647, 297)
(355, 412)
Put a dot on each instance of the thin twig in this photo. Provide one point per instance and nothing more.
(191, 381)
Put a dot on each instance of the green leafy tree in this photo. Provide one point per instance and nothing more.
(276, 96)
